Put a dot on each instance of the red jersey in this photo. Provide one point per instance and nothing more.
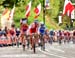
(67, 34)
(74, 33)
(33, 28)
(24, 27)
(12, 31)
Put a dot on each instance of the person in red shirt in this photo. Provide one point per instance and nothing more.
(24, 28)
(67, 37)
(13, 34)
(23, 25)
(33, 31)
(34, 28)
(73, 37)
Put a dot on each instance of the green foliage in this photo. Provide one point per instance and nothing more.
(55, 7)
(73, 1)
(66, 20)
(20, 10)
(61, 5)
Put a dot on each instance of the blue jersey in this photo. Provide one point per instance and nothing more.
(42, 30)
(51, 32)
(17, 33)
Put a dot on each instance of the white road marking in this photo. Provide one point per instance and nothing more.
(23, 55)
(55, 49)
(50, 54)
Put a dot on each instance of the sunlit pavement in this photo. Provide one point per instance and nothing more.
(51, 51)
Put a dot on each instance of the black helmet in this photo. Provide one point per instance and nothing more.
(42, 24)
(36, 21)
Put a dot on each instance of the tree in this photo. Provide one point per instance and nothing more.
(73, 1)
(66, 21)
(10, 3)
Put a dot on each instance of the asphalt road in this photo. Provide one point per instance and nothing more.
(51, 51)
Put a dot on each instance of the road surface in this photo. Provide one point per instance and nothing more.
(51, 51)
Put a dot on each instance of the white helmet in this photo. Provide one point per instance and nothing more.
(18, 29)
